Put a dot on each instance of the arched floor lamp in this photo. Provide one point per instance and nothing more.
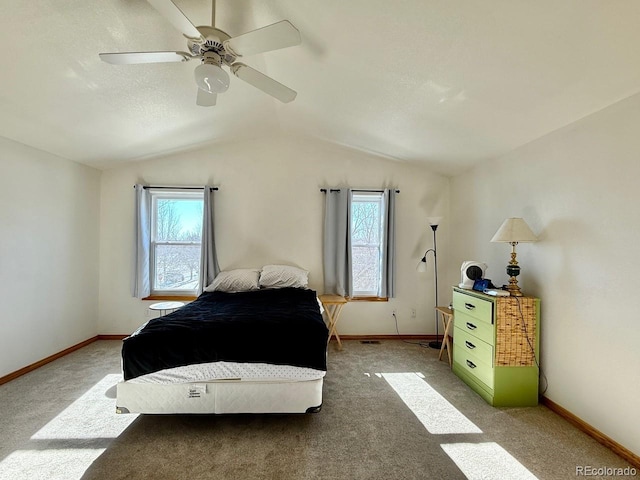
(422, 267)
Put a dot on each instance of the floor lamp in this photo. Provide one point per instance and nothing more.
(422, 267)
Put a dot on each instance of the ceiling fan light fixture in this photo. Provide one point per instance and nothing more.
(211, 78)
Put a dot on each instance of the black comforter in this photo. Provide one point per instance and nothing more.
(278, 326)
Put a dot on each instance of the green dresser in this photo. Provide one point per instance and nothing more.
(495, 346)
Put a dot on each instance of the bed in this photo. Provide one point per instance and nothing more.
(259, 351)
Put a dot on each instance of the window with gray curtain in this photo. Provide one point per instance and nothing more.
(174, 246)
(359, 242)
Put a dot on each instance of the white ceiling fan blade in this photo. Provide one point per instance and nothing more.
(178, 19)
(272, 37)
(205, 99)
(129, 58)
(262, 82)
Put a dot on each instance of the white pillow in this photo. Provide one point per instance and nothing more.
(281, 276)
(233, 281)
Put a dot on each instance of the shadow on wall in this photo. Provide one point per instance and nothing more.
(558, 259)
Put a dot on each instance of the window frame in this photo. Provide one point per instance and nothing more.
(173, 194)
(363, 196)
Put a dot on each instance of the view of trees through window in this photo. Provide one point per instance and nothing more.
(176, 243)
(366, 237)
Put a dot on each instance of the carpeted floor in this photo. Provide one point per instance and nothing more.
(391, 411)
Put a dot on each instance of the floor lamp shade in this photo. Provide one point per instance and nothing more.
(434, 221)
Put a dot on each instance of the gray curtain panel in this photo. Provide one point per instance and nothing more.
(337, 242)
(209, 267)
(388, 286)
(141, 282)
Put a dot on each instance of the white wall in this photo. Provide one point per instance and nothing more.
(270, 209)
(578, 189)
(48, 254)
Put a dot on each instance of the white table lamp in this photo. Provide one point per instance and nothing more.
(514, 231)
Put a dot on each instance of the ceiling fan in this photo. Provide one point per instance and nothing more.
(215, 48)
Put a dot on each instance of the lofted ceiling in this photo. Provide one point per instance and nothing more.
(444, 83)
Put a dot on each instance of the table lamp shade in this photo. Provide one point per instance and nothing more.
(514, 230)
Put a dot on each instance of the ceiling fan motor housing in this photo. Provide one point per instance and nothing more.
(214, 39)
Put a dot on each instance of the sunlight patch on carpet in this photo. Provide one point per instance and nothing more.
(52, 464)
(66, 446)
(93, 415)
(434, 412)
(486, 461)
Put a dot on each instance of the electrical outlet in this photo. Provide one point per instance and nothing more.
(413, 313)
(393, 312)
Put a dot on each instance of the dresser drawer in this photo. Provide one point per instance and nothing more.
(473, 365)
(473, 345)
(473, 326)
(473, 306)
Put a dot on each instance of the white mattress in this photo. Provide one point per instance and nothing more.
(251, 372)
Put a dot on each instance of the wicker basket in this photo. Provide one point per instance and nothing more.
(515, 331)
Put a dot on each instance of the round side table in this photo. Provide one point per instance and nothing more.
(164, 307)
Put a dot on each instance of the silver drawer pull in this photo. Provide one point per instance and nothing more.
(469, 345)
(471, 326)
(470, 364)
(469, 306)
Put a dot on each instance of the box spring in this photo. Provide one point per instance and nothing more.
(220, 397)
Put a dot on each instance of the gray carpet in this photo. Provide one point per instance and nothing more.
(59, 422)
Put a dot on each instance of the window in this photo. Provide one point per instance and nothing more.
(359, 239)
(367, 222)
(176, 238)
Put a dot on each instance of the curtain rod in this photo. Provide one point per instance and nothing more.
(175, 188)
(324, 190)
